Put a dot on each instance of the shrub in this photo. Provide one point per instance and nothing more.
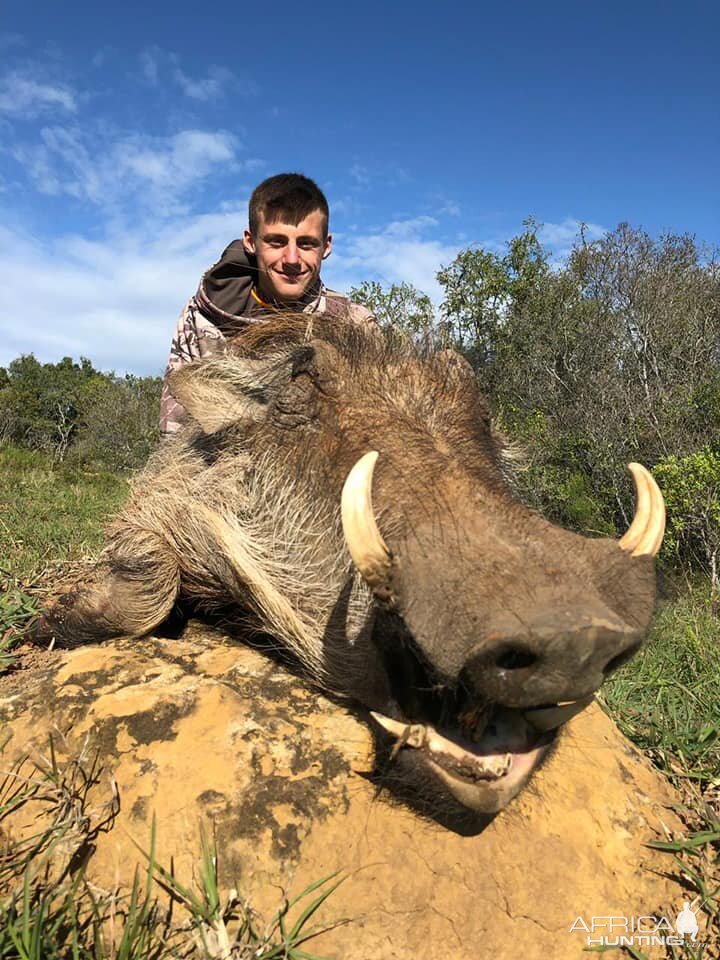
(691, 487)
(70, 409)
(119, 426)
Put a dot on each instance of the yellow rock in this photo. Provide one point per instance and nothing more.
(205, 730)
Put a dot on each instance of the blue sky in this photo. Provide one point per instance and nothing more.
(131, 136)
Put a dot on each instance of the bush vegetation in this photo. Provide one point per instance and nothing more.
(77, 413)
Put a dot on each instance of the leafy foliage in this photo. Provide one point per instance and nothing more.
(119, 426)
(399, 308)
(71, 410)
(481, 287)
(691, 487)
(40, 403)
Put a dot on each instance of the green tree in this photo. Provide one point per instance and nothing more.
(119, 425)
(40, 403)
(72, 409)
(480, 286)
(399, 307)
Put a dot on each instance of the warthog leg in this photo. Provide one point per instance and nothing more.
(131, 591)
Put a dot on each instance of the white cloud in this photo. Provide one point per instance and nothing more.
(22, 94)
(187, 156)
(411, 228)
(213, 85)
(400, 252)
(561, 236)
(157, 64)
(152, 170)
(114, 301)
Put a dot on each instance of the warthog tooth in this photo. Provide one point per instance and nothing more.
(549, 718)
(364, 541)
(452, 757)
(505, 764)
(410, 734)
(392, 726)
(645, 533)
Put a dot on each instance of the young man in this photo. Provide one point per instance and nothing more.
(275, 266)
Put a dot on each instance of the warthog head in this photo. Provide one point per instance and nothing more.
(350, 499)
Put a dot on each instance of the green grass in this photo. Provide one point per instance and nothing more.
(50, 511)
(667, 700)
(17, 607)
(50, 515)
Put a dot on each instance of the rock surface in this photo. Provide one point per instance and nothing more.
(202, 729)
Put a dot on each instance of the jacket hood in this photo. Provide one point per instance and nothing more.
(224, 291)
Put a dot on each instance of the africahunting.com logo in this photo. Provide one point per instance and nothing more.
(640, 931)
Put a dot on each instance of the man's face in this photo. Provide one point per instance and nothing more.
(288, 257)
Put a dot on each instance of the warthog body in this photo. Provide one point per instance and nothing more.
(466, 624)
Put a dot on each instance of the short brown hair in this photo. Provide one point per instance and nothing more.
(286, 196)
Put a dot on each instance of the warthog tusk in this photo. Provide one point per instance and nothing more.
(442, 751)
(409, 734)
(645, 533)
(364, 541)
(550, 718)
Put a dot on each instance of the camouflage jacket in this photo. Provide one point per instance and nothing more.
(222, 307)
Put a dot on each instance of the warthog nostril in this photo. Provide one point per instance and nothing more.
(554, 659)
(515, 658)
(620, 659)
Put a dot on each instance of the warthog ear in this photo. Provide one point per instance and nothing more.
(224, 390)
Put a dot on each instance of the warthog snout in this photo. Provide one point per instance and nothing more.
(549, 659)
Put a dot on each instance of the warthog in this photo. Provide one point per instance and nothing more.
(349, 498)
